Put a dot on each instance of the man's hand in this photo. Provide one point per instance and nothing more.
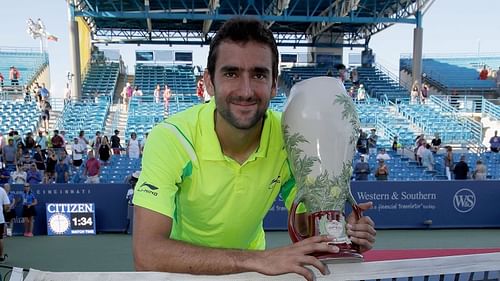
(362, 231)
(294, 258)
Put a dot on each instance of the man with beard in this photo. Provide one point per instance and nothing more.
(211, 173)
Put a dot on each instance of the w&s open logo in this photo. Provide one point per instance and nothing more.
(464, 200)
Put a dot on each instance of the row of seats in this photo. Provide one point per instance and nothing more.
(446, 73)
(87, 116)
(180, 78)
(101, 78)
(22, 116)
(28, 64)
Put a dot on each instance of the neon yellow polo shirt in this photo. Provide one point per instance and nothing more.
(212, 199)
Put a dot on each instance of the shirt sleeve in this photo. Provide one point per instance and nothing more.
(163, 163)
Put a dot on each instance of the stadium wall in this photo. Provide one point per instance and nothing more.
(85, 44)
(396, 205)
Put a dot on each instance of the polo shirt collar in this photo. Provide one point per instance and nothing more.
(209, 146)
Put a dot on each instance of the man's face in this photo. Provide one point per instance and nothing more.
(242, 84)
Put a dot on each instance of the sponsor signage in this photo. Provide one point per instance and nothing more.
(70, 218)
(423, 204)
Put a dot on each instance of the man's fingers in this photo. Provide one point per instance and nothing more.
(365, 206)
(305, 272)
(313, 261)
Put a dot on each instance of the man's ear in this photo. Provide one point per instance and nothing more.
(208, 83)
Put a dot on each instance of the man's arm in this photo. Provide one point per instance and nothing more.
(154, 251)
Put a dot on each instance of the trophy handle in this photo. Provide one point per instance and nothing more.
(294, 234)
(358, 213)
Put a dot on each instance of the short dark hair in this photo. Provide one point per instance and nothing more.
(242, 30)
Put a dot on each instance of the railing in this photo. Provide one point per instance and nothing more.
(490, 109)
(475, 127)
(391, 75)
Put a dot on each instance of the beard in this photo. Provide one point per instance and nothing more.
(240, 122)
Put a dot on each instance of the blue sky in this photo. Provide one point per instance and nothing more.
(450, 26)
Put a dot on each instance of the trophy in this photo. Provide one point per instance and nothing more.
(320, 126)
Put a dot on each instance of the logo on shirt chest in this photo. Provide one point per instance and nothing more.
(274, 182)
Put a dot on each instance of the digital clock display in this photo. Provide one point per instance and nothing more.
(81, 221)
(70, 218)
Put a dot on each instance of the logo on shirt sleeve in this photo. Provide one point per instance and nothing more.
(148, 188)
(274, 182)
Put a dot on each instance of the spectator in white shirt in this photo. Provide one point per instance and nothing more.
(382, 155)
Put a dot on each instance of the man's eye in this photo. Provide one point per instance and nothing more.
(230, 74)
(260, 76)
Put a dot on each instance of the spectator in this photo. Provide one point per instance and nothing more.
(448, 162)
(362, 143)
(354, 76)
(82, 140)
(480, 172)
(382, 171)
(40, 159)
(342, 71)
(414, 95)
(436, 143)
(395, 144)
(167, 93)
(41, 140)
(361, 97)
(14, 76)
(29, 142)
(425, 93)
(9, 154)
(4, 175)
(427, 157)
(92, 169)
(382, 155)
(50, 166)
(156, 93)
(127, 94)
(29, 211)
(96, 143)
(362, 169)
(483, 75)
(62, 171)
(105, 150)
(77, 153)
(44, 92)
(5, 203)
(33, 175)
(115, 143)
(137, 93)
(10, 214)
(1, 80)
(27, 95)
(133, 147)
(19, 175)
(57, 142)
(495, 142)
(461, 169)
(372, 142)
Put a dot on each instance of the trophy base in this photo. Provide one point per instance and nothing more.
(344, 256)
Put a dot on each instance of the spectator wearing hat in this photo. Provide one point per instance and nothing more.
(115, 143)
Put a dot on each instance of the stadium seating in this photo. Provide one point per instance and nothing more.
(101, 78)
(143, 114)
(379, 85)
(19, 115)
(180, 78)
(28, 63)
(450, 73)
(87, 116)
